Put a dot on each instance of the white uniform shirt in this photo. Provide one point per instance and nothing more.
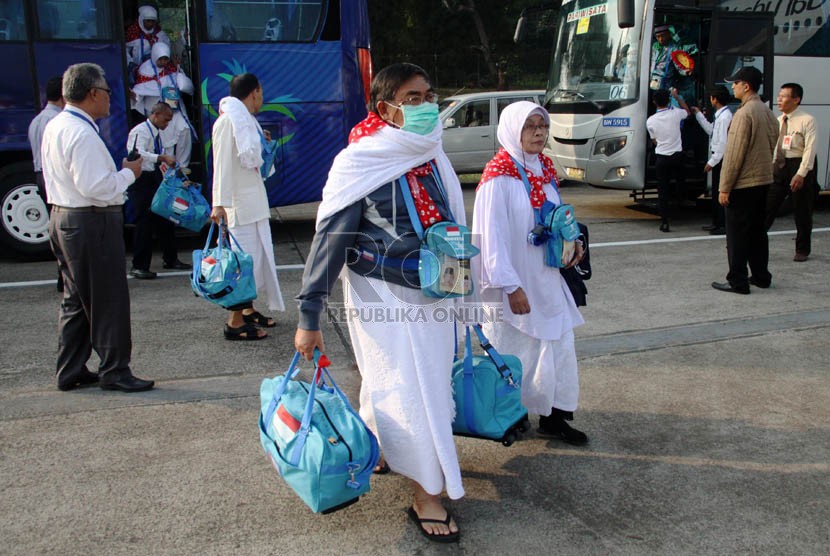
(664, 127)
(801, 128)
(239, 190)
(717, 132)
(36, 132)
(77, 167)
(144, 137)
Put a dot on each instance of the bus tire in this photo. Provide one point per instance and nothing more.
(24, 219)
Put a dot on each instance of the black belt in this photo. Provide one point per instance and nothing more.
(111, 208)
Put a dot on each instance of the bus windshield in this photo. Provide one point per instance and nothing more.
(594, 60)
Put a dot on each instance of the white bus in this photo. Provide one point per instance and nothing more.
(598, 91)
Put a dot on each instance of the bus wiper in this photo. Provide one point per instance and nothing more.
(574, 92)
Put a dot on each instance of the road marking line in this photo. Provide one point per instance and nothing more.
(30, 283)
(690, 238)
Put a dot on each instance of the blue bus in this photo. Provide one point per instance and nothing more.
(311, 56)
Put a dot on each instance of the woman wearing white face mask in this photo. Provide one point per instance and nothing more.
(404, 353)
(539, 312)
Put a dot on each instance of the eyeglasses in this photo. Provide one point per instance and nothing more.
(418, 100)
(109, 91)
(534, 128)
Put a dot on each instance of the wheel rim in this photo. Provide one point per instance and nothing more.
(24, 215)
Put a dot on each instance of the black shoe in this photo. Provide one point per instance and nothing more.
(717, 232)
(664, 227)
(84, 379)
(129, 384)
(553, 427)
(142, 274)
(727, 287)
(758, 283)
(178, 265)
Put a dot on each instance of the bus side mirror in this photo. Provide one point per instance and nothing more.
(625, 14)
(519, 34)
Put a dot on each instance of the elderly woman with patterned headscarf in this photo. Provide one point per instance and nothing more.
(539, 313)
(159, 80)
(142, 35)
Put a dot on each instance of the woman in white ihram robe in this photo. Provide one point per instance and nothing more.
(538, 310)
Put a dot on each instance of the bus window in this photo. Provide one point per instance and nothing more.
(264, 21)
(12, 24)
(74, 19)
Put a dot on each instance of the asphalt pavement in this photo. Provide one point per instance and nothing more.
(708, 415)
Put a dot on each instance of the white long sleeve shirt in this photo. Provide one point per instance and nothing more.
(36, 132)
(147, 140)
(717, 131)
(239, 190)
(77, 167)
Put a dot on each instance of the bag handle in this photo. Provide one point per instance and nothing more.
(494, 355)
(321, 364)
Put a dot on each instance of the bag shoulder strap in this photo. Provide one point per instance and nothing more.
(410, 202)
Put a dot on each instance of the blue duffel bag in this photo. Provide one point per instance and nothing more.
(183, 206)
(488, 394)
(223, 274)
(315, 440)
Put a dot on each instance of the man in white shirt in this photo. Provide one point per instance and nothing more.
(664, 129)
(794, 163)
(54, 105)
(146, 138)
(86, 230)
(719, 98)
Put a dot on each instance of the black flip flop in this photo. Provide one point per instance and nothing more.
(259, 319)
(381, 469)
(251, 333)
(451, 537)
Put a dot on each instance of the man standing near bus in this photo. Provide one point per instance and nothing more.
(54, 105)
(664, 129)
(86, 230)
(719, 99)
(745, 180)
(147, 140)
(794, 169)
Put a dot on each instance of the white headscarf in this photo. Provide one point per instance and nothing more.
(511, 122)
(159, 50)
(246, 131)
(144, 13)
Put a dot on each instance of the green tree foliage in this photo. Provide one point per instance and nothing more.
(463, 44)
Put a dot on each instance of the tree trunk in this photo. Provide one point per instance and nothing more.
(484, 46)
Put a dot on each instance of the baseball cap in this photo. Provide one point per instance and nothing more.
(748, 74)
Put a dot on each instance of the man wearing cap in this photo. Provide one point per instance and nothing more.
(794, 169)
(719, 99)
(666, 69)
(744, 182)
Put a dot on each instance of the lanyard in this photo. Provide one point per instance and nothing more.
(87, 121)
(157, 146)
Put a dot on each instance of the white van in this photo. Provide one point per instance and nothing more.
(470, 122)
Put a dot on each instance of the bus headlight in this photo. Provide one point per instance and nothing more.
(607, 147)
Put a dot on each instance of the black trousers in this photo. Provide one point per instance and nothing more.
(804, 201)
(95, 310)
(148, 223)
(718, 212)
(746, 236)
(668, 167)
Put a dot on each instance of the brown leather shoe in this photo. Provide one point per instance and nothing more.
(800, 257)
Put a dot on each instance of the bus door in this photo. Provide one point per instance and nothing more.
(68, 32)
(740, 39)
